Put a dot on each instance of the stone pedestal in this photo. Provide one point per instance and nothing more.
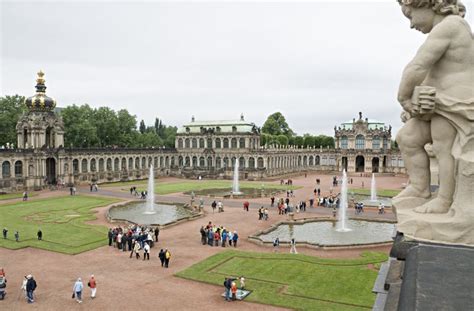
(423, 276)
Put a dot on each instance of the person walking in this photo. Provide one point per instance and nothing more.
(77, 290)
(167, 258)
(25, 196)
(161, 255)
(30, 288)
(23, 286)
(227, 286)
(276, 244)
(214, 205)
(93, 286)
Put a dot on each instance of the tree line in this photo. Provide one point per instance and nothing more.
(87, 127)
(276, 131)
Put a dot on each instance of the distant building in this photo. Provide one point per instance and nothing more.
(202, 148)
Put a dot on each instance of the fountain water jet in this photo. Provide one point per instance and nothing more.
(373, 190)
(342, 220)
(235, 182)
(150, 197)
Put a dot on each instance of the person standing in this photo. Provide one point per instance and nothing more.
(293, 247)
(203, 235)
(167, 258)
(235, 238)
(23, 286)
(214, 205)
(77, 290)
(30, 288)
(242, 282)
(17, 236)
(227, 286)
(136, 249)
(5, 233)
(93, 286)
(25, 196)
(110, 235)
(161, 255)
(276, 244)
(146, 251)
(157, 233)
(40, 235)
(233, 289)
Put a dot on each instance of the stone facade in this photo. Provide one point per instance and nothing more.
(207, 149)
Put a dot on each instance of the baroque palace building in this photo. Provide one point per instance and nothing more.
(208, 149)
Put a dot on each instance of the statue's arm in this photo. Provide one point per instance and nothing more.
(428, 54)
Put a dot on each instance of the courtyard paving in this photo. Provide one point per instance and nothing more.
(129, 283)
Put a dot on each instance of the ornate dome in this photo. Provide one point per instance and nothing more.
(40, 102)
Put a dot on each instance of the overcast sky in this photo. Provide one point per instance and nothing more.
(317, 62)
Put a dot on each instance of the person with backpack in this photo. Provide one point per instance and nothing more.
(30, 288)
(93, 286)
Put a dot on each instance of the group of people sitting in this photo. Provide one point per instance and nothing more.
(213, 235)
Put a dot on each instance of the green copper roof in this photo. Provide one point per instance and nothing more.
(219, 126)
(372, 124)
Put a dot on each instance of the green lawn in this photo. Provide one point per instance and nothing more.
(295, 281)
(10, 196)
(60, 219)
(195, 185)
(381, 192)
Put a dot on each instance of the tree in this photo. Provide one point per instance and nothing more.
(299, 140)
(11, 108)
(80, 131)
(142, 127)
(309, 140)
(282, 140)
(276, 125)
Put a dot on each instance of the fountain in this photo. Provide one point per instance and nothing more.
(373, 190)
(342, 220)
(235, 183)
(150, 197)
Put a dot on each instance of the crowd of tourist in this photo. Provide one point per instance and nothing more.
(213, 235)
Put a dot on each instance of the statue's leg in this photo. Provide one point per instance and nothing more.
(443, 134)
(411, 139)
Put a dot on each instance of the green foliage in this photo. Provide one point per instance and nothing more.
(295, 281)
(276, 125)
(282, 140)
(62, 221)
(11, 108)
(103, 127)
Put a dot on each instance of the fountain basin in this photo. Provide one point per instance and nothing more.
(162, 214)
(244, 193)
(324, 233)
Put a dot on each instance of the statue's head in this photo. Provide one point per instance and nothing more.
(421, 13)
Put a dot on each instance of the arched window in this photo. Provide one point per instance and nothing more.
(194, 143)
(218, 162)
(360, 142)
(385, 143)
(311, 160)
(344, 144)
(101, 165)
(75, 166)
(130, 163)
(167, 162)
(172, 162)
(209, 161)
(233, 143)
(317, 160)
(226, 143)
(155, 162)
(180, 143)
(242, 143)
(18, 169)
(93, 165)
(116, 164)
(186, 143)
(242, 162)
(187, 162)
(218, 143)
(251, 162)
(201, 143)
(109, 165)
(6, 169)
(162, 163)
(144, 163)
(195, 161)
(202, 162)
(84, 165)
(260, 162)
(226, 162)
(180, 161)
(376, 142)
(124, 164)
(137, 163)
